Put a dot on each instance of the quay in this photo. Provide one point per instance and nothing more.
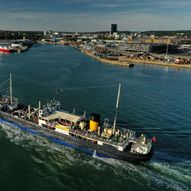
(11, 46)
(21, 45)
(125, 61)
(108, 61)
(129, 62)
(159, 63)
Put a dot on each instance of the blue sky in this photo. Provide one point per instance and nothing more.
(95, 15)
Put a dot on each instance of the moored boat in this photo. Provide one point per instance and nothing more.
(5, 48)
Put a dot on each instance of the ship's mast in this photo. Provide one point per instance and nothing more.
(29, 112)
(11, 89)
(117, 106)
(39, 105)
(39, 109)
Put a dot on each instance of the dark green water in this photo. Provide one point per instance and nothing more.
(154, 100)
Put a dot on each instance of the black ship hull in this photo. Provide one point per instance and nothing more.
(82, 145)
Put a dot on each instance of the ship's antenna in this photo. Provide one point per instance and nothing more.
(39, 105)
(29, 112)
(11, 89)
(117, 106)
(39, 109)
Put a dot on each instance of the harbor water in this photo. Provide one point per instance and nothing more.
(154, 100)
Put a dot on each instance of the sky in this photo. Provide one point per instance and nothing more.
(95, 15)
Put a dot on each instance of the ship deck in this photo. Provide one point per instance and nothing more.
(97, 138)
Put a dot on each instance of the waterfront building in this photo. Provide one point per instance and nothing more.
(116, 35)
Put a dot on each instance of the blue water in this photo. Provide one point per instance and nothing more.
(154, 100)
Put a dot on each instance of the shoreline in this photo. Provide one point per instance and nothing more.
(159, 63)
(114, 62)
(128, 62)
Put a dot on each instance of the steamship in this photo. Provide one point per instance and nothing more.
(90, 135)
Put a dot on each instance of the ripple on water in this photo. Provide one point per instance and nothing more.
(56, 159)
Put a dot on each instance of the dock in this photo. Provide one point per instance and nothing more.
(108, 61)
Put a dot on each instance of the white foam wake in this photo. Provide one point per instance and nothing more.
(164, 175)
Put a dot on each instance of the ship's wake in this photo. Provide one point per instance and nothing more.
(56, 153)
(163, 174)
(168, 176)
